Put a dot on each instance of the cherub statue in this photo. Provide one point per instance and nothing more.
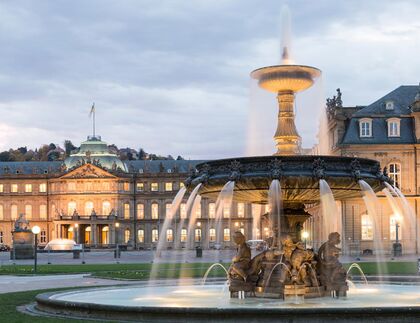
(241, 262)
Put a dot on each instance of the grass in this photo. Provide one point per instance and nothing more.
(387, 268)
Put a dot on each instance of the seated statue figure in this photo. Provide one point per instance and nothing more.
(302, 262)
(332, 273)
(241, 262)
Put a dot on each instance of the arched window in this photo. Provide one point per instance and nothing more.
(126, 235)
(106, 208)
(183, 235)
(127, 211)
(367, 227)
(43, 212)
(105, 235)
(394, 172)
(88, 207)
(393, 127)
(155, 235)
(71, 207)
(140, 235)
(87, 234)
(155, 211)
(14, 211)
(212, 234)
(1, 212)
(197, 235)
(169, 235)
(394, 224)
(226, 234)
(140, 211)
(212, 210)
(365, 127)
(28, 211)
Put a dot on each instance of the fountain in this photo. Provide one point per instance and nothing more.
(283, 282)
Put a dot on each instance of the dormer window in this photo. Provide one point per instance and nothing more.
(389, 105)
(365, 127)
(393, 127)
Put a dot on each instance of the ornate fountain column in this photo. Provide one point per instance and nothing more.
(288, 141)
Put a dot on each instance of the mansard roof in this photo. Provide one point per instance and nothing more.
(402, 97)
(30, 167)
(156, 166)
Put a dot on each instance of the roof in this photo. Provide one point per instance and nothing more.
(30, 167)
(402, 97)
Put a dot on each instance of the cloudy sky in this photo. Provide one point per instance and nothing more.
(173, 76)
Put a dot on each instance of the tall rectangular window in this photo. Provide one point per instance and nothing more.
(212, 235)
(1, 188)
(140, 235)
(140, 211)
(168, 209)
(1, 237)
(154, 187)
(241, 210)
(43, 187)
(43, 212)
(14, 188)
(126, 186)
(395, 173)
(197, 235)
(183, 210)
(183, 235)
(168, 186)
(14, 212)
(126, 211)
(226, 234)
(367, 227)
(1, 212)
(28, 188)
(226, 211)
(140, 187)
(169, 235)
(212, 210)
(155, 235)
(198, 211)
(43, 237)
(155, 211)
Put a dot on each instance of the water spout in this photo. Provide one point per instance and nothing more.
(274, 198)
(357, 266)
(211, 268)
(223, 202)
(331, 219)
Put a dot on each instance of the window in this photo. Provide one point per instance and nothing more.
(226, 234)
(14, 188)
(126, 235)
(1, 212)
(71, 207)
(168, 209)
(140, 235)
(28, 211)
(183, 235)
(241, 210)
(42, 187)
(267, 208)
(1, 237)
(88, 207)
(393, 127)
(226, 210)
(198, 210)
(168, 186)
(1, 188)
(155, 211)
(183, 211)
(140, 211)
(140, 187)
(155, 235)
(14, 212)
(212, 235)
(181, 184)
(28, 188)
(212, 210)
(154, 187)
(197, 235)
(367, 227)
(106, 208)
(43, 236)
(127, 211)
(389, 105)
(126, 186)
(365, 127)
(255, 210)
(395, 220)
(395, 173)
(169, 235)
(43, 212)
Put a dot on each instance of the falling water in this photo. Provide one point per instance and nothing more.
(224, 201)
(286, 36)
(331, 218)
(409, 213)
(357, 266)
(274, 199)
(256, 221)
(396, 209)
(211, 268)
(372, 205)
(162, 232)
(192, 222)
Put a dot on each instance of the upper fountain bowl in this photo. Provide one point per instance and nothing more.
(280, 78)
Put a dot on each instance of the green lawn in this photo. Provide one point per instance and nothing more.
(386, 268)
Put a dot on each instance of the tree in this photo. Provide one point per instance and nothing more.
(6, 156)
(179, 158)
(68, 147)
(142, 154)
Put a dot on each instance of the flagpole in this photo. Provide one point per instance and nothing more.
(94, 123)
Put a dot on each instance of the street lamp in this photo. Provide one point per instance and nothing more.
(305, 236)
(36, 230)
(117, 249)
(397, 247)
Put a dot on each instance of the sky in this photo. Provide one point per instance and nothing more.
(173, 78)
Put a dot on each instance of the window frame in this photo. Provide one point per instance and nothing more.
(390, 123)
(365, 132)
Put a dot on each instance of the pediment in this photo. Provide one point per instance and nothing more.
(88, 171)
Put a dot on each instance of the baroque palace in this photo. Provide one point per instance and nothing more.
(95, 198)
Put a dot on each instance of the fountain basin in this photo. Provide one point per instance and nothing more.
(210, 303)
(299, 177)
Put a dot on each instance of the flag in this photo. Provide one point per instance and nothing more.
(92, 110)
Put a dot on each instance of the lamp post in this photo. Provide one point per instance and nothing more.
(305, 236)
(36, 230)
(117, 249)
(397, 247)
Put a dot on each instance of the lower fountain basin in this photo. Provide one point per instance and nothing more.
(299, 177)
(211, 303)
